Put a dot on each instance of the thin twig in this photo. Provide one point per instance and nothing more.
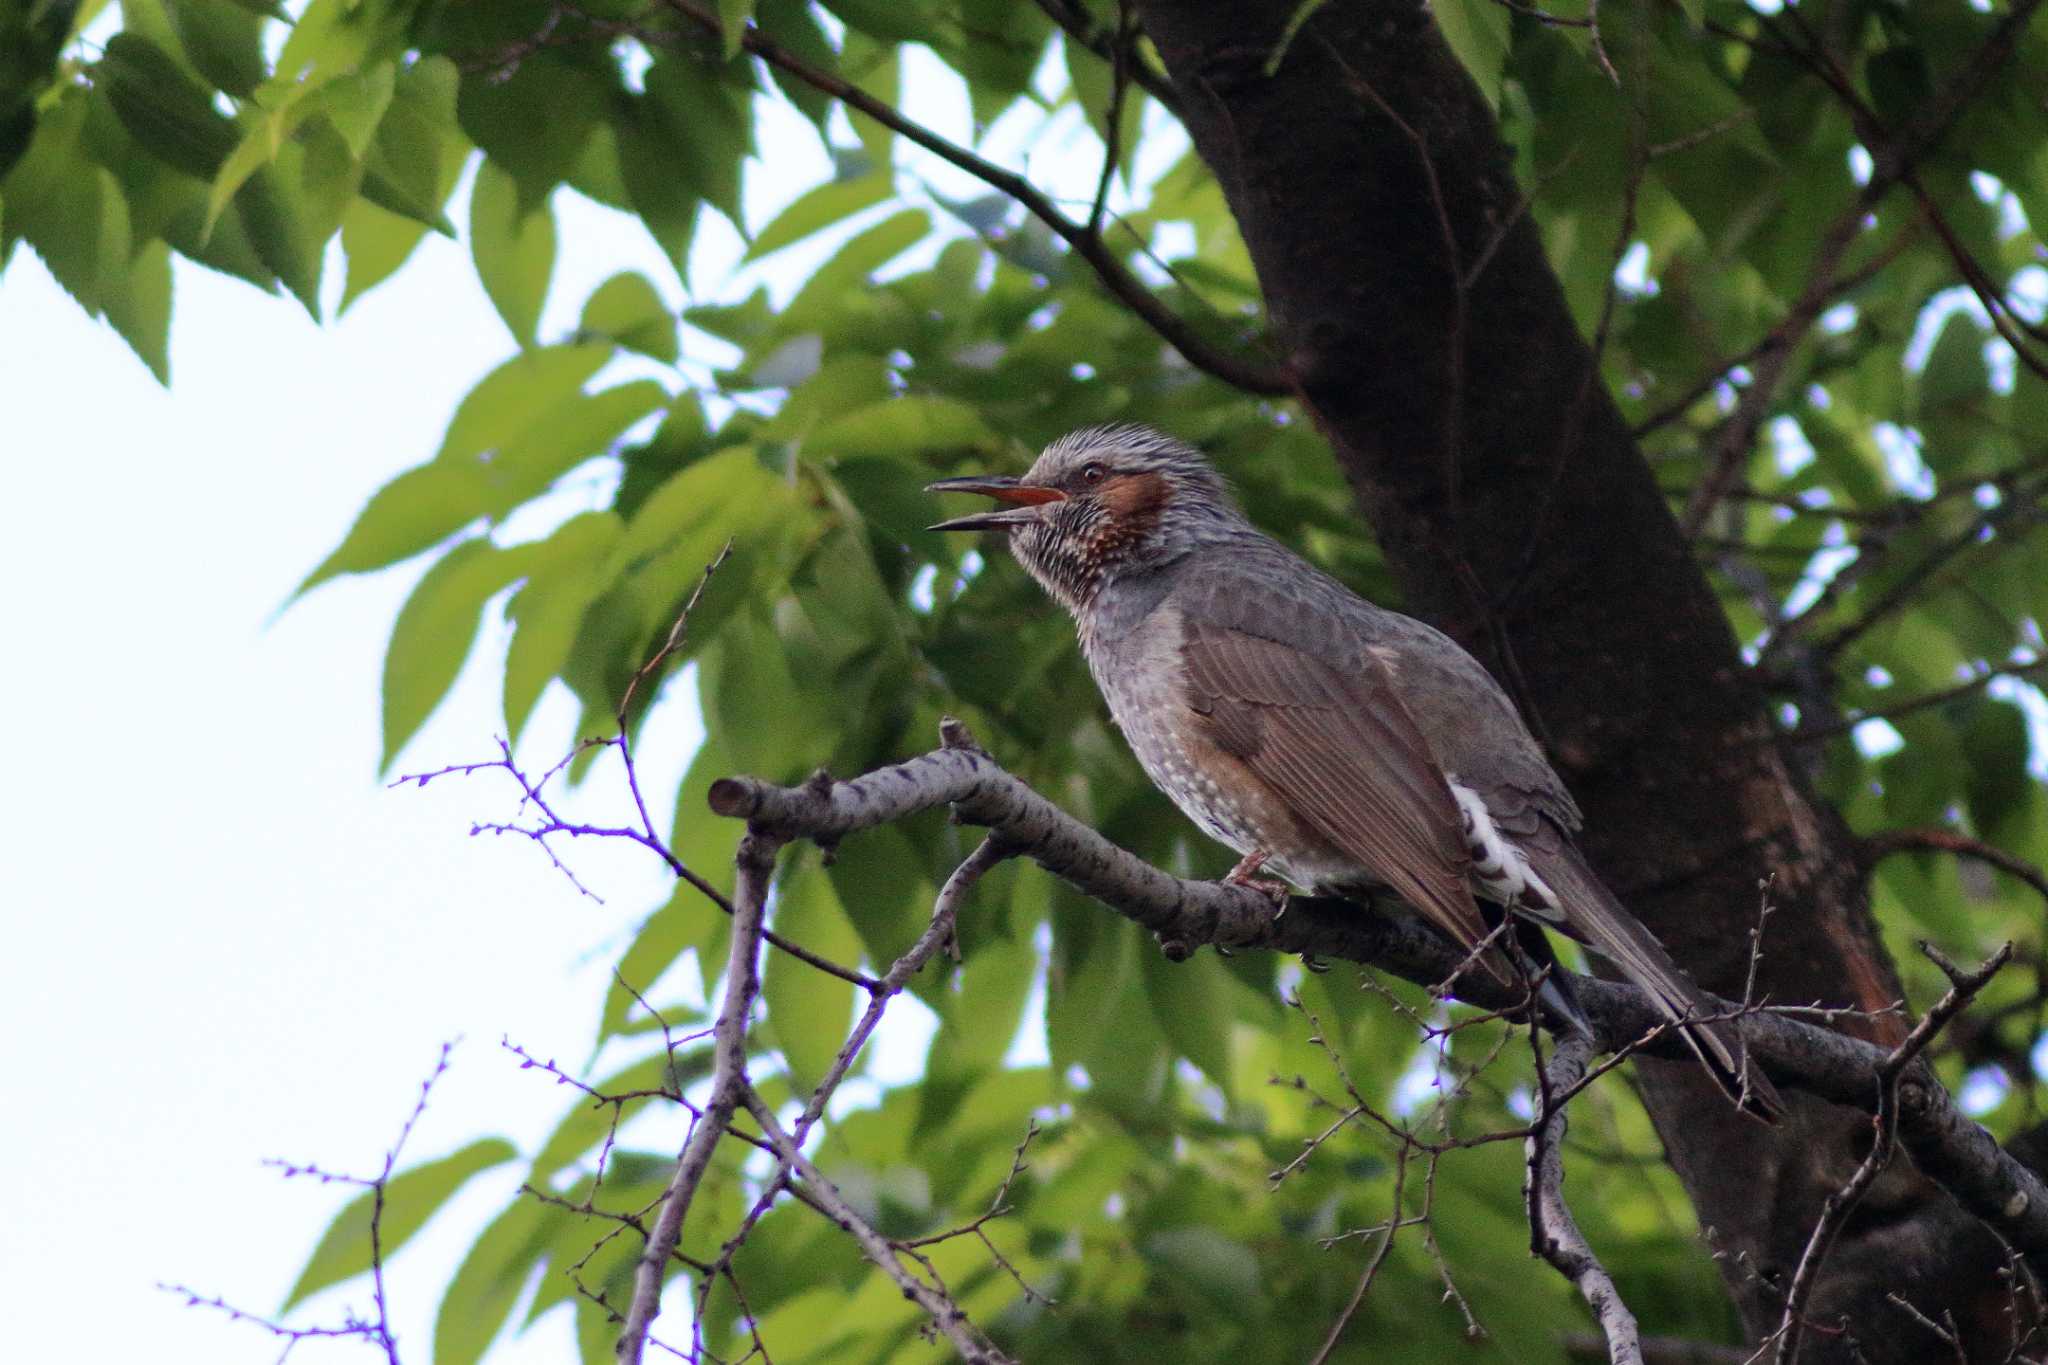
(1835, 1210)
(1553, 1232)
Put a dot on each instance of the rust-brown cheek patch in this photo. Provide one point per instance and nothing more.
(1134, 498)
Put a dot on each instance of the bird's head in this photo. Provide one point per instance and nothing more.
(1102, 502)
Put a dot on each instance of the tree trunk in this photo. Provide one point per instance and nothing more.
(1370, 183)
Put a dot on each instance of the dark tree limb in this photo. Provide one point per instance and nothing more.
(1531, 529)
(1949, 1147)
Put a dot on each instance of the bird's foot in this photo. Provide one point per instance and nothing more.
(1246, 874)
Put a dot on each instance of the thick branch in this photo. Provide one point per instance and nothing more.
(1948, 1146)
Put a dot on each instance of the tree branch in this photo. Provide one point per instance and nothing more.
(945, 1313)
(1553, 1232)
(1945, 1144)
(755, 862)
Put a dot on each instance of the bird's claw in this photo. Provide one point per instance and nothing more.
(1245, 874)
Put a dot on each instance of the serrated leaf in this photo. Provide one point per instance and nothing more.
(1193, 1006)
(628, 309)
(809, 1013)
(419, 150)
(513, 242)
(797, 32)
(1477, 31)
(666, 205)
(140, 310)
(410, 1199)
(434, 631)
(334, 38)
(579, 427)
(1955, 371)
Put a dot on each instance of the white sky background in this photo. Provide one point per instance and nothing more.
(226, 940)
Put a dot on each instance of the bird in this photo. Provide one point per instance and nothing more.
(1351, 749)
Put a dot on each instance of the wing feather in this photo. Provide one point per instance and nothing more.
(1346, 757)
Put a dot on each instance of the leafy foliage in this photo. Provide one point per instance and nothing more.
(1880, 543)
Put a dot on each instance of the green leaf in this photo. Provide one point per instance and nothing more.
(908, 426)
(509, 398)
(704, 843)
(410, 1199)
(1193, 1004)
(514, 246)
(434, 631)
(732, 24)
(627, 309)
(491, 1278)
(536, 122)
(817, 209)
(1477, 31)
(706, 114)
(162, 108)
(564, 577)
(1955, 371)
(419, 150)
(666, 205)
(415, 511)
(69, 209)
(796, 31)
(141, 310)
(338, 37)
(809, 1013)
(578, 428)
(224, 41)
(1208, 1272)
(376, 242)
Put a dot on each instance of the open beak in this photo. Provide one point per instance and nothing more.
(1025, 500)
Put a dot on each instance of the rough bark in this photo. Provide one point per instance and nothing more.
(1369, 179)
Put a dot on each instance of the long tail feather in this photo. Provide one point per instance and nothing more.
(1593, 915)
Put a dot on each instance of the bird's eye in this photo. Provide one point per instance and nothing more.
(1092, 474)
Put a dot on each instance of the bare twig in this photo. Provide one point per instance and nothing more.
(375, 1330)
(946, 1315)
(1553, 1232)
(755, 864)
(1963, 988)
(1807, 733)
(1879, 846)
